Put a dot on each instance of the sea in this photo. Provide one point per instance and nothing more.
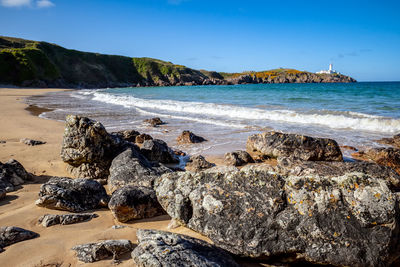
(354, 114)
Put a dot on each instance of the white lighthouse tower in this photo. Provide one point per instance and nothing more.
(330, 71)
(330, 68)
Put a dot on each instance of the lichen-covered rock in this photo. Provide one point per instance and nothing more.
(75, 195)
(157, 150)
(187, 137)
(92, 252)
(132, 168)
(13, 174)
(350, 220)
(275, 144)
(64, 219)
(132, 202)
(197, 163)
(388, 156)
(88, 148)
(238, 158)
(11, 234)
(159, 249)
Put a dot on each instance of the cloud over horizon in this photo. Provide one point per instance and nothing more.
(27, 3)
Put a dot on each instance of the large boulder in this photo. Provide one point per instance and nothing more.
(12, 174)
(88, 148)
(275, 144)
(187, 137)
(92, 252)
(198, 163)
(75, 195)
(158, 151)
(132, 168)
(351, 219)
(238, 158)
(132, 202)
(11, 234)
(64, 219)
(159, 248)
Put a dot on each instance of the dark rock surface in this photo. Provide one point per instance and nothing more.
(10, 235)
(75, 195)
(154, 122)
(12, 174)
(275, 144)
(393, 141)
(142, 137)
(2, 142)
(88, 148)
(132, 168)
(64, 219)
(198, 163)
(389, 156)
(187, 137)
(346, 220)
(133, 202)
(31, 142)
(157, 150)
(127, 135)
(159, 248)
(3, 192)
(92, 252)
(238, 158)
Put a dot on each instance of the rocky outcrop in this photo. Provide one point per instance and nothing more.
(31, 142)
(238, 158)
(154, 122)
(187, 137)
(141, 138)
(159, 248)
(64, 219)
(75, 195)
(158, 151)
(132, 168)
(127, 135)
(132, 202)
(198, 163)
(346, 220)
(275, 144)
(10, 235)
(393, 141)
(98, 251)
(12, 174)
(88, 148)
(388, 156)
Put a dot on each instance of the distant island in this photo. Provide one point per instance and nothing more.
(40, 64)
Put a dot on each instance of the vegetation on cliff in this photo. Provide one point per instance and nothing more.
(41, 64)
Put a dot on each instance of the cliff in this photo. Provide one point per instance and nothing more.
(41, 64)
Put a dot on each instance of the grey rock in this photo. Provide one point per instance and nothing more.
(142, 137)
(116, 227)
(158, 151)
(127, 135)
(13, 174)
(31, 142)
(154, 122)
(159, 248)
(132, 168)
(197, 163)
(346, 220)
(275, 144)
(187, 137)
(75, 195)
(131, 202)
(3, 192)
(10, 235)
(92, 252)
(238, 158)
(64, 219)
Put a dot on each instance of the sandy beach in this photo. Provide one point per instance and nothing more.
(53, 247)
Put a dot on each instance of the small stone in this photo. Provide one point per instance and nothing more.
(142, 137)
(154, 122)
(51, 219)
(197, 163)
(31, 142)
(92, 252)
(187, 137)
(11, 234)
(238, 158)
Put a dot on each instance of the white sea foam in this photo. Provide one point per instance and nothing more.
(217, 114)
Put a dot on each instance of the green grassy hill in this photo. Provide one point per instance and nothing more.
(41, 64)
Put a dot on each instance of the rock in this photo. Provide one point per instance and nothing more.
(75, 195)
(197, 163)
(3, 193)
(10, 235)
(127, 135)
(31, 142)
(384, 156)
(132, 168)
(13, 174)
(238, 158)
(187, 137)
(98, 251)
(154, 122)
(142, 137)
(132, 202)
(346, 220)
(159, 248)
(64, 219)
(88, 148)
(276, 144)
(2, 142)
(158, 150)
(393, 141)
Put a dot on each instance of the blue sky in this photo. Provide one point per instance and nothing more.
(361, 38)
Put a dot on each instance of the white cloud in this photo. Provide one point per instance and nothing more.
(44, 3)
(15, 3)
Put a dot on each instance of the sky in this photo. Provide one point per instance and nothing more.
(360, 38)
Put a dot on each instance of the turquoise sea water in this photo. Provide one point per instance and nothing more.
(353, 114)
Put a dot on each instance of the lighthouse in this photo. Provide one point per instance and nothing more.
(330, 68)
(330, 71)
